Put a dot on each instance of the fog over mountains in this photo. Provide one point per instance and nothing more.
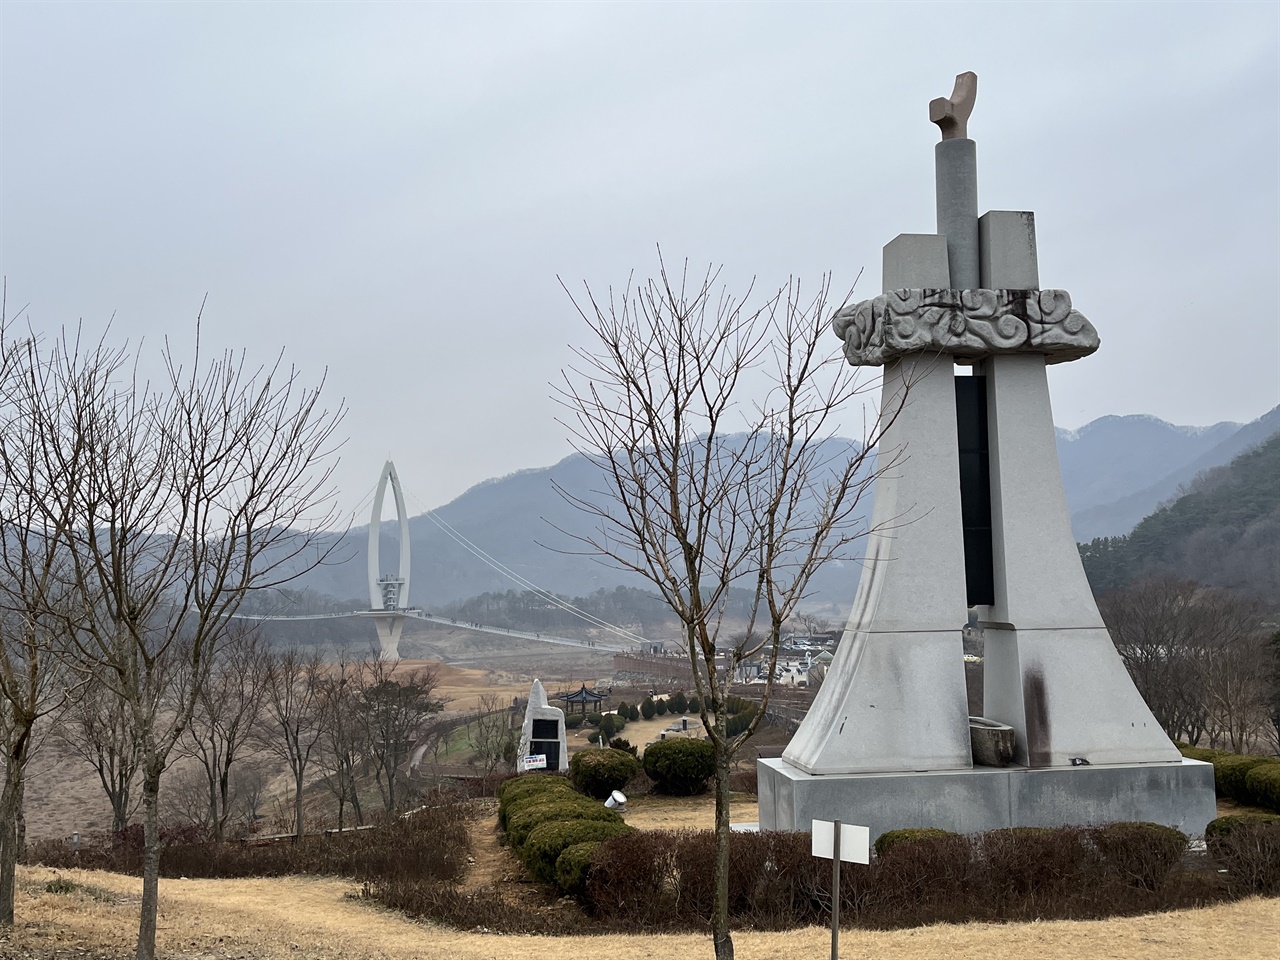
(1116, 470)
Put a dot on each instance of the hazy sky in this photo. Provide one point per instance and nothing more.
(389, 191)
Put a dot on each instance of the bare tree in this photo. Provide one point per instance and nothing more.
(192, 493)
(98, 728)
(1154, 627)
(712, 424)
(340, 756)
(1273, 697)
(1237, 682)
(226, 716)
(291, 714)
(186, 799)
(812, 624)
(38, 596)
(390, 711)
(489, 733)
(249, 784)
(1197, 655)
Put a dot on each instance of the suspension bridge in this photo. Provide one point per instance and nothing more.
(389, 593)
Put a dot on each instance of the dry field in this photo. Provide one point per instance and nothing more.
(303, 918)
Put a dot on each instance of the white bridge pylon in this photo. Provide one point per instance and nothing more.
(388, 594)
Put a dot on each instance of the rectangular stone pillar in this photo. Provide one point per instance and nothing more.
(894, 697)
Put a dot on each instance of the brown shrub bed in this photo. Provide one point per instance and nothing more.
(431, 844)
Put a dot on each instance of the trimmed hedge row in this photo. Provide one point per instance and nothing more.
(1253, 781)
(544, 817)
(891, 838)
(655, 880)
(513, 794)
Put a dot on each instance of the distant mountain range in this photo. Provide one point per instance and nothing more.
(1116, 470)
(522, 524)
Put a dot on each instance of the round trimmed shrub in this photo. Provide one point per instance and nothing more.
(695, 705)
(680, 766)
(648, 708)
(899, 838)
(573, 866)
(612, 724)
(623, 710)
(522, 822)
(598, 773)
(661, 707)
(573, 721)
(594, 737)
(1247, 845)
(738, 722)
(678, 703)
(548, 840)
(1143, 854)
(1225, 826)
(1229, 774)
(1262, 784)
(593, 719)
(633, 713)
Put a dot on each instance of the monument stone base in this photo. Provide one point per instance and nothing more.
(1177, 794)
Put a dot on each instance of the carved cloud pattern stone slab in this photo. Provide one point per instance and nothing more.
(964, 323)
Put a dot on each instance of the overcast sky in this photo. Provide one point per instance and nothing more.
(390, 191)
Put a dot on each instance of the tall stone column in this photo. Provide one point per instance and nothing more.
(1051, 669)
(894, 697)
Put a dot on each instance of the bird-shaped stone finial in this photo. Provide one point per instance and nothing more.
(952, 115)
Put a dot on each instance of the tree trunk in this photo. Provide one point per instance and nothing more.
(20, 842)
(213, 810)
(10, 814)
(297, 803)
(150, 860)
(720, 915)
(224, 809)
(120, 810)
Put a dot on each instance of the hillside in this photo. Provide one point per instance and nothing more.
(1225, 531)
(1170, 464)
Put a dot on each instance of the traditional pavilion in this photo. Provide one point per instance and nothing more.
(582, 698)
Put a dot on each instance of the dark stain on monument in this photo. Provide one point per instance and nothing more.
(1035, 702)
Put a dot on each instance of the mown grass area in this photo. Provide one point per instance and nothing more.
(292, 917)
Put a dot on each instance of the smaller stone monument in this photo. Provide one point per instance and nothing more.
(543, 730)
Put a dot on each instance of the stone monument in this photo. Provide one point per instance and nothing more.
(543, 730)
(970, 514)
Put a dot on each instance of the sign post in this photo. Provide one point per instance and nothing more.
(835, 891)
(856, 848)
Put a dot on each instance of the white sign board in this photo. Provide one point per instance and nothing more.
(538, 761)
(855, 842)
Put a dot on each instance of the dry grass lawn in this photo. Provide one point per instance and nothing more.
(299, 917)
